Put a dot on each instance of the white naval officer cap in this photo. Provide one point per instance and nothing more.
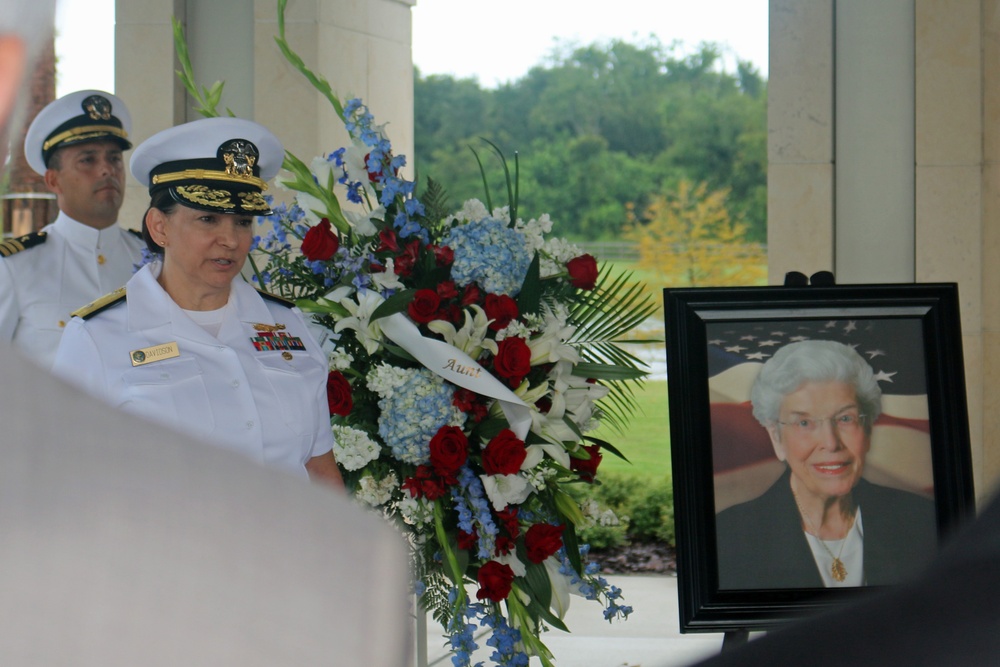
(86, 115)
(213, 164)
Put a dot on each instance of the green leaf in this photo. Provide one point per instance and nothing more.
(568, 507)
(572, 545)
(607, 446)
(396, 303)
(529, 299)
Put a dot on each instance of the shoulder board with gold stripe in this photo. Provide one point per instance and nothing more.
(134, 232)
(275, 298)
(14, 246)
(100, 304)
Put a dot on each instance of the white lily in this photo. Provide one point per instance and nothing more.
(471, 338)
(369, 333)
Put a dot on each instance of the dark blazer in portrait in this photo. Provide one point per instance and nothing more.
(949, 615)
(761, 543)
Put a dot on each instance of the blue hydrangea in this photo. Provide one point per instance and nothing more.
(413, 413)
(489, 253)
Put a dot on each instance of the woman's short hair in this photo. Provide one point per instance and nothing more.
(813, 361)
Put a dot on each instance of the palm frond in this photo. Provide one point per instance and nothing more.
(603, 316)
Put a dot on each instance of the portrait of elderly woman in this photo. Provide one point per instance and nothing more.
(822, 524)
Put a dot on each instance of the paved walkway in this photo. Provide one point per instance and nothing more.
(649, 638)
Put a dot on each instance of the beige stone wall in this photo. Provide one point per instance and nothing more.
(956, 145)
(362, 47)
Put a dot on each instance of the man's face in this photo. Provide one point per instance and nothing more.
(89, 182)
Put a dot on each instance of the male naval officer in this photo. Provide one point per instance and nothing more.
(76, 143)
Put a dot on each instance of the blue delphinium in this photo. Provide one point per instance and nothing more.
(474, 510)
(490, 254)
(594, 587)
(462, 638)
(413, 413)
(506, 642)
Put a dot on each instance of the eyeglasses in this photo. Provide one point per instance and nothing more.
(843, 423)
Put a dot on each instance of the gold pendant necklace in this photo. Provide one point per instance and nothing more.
(837, 570)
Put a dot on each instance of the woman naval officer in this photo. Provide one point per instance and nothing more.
(187, 342)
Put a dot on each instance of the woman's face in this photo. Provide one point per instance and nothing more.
(822, 438)
(202, 251)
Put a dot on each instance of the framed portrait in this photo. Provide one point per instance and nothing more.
(819, 441)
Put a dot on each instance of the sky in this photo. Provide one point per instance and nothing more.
(494, 41)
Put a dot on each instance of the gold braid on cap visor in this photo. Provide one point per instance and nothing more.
(85, 132)
(207, 175)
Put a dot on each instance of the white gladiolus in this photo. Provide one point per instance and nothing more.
(503, 490)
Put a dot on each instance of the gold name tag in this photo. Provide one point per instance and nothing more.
(148, 355)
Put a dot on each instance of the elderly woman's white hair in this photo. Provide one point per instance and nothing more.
(813, 361)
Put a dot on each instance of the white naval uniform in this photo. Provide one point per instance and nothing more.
(270, 405)
(40, 286)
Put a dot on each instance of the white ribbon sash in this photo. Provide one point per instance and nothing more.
(458, 368)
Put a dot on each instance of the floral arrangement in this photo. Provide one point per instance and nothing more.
(471, 354)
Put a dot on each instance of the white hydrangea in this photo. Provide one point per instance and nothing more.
(384, 379)
(340, 359)
(534, 231)
(415, 511)
(353, 449)
(472, 209)
(554, 255)
(376, 492)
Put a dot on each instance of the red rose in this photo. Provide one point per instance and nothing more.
(320, 242)
(501, 309)
(424, 306)
(582, 272)
(513, 360)
(587, 467)
(494, 581)
(504, 454)
(542, 540)
(338, 394)
(449, 450)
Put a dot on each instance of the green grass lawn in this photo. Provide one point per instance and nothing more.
(646, 442)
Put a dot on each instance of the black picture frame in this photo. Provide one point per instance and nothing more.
(930, 315)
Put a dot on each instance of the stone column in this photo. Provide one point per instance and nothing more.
(362, 47)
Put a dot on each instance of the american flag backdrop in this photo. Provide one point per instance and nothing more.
(743, 459)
